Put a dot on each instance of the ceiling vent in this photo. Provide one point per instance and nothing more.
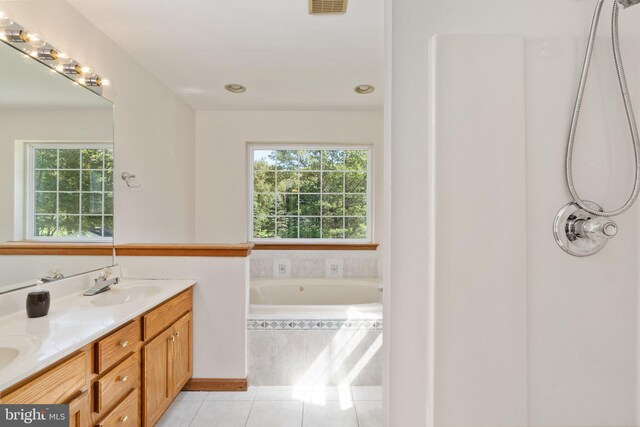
(323, 7)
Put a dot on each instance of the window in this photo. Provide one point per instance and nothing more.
(70, 194)
(310, 193)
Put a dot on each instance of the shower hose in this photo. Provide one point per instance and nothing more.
(627, 104)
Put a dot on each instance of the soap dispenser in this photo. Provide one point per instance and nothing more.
(38, 302)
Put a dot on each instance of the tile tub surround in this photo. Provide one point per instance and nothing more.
(278, 407)
(72, 322)
(337, 355)
(312, 264)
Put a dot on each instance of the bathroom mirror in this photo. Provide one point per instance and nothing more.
(56, 174)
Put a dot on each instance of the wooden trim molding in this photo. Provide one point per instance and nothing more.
(315, 247)
(216, 384)
(186, 250)
(37, 248)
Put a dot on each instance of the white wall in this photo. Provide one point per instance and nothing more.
(222, 165)
(154, 129)
(220, 299)
(414, 23)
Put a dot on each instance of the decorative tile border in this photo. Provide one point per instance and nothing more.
(311, 324)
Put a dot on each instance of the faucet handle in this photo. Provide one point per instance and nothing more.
(105, 273)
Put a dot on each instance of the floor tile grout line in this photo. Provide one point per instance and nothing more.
(253, 401)
(355, 408)
(246, 422)
(196, 413)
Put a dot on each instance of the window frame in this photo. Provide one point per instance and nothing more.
(29, 187)
(369, 148)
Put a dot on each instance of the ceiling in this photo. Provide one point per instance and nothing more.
(26, 83)
(285, 57)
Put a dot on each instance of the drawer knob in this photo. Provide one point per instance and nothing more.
(124, 419)
(172, 338)
(123, 379)
(124, 343)
(177, 334)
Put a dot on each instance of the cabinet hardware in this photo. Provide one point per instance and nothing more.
(124, 343)
(123, 379)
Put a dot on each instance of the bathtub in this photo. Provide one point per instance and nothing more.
(309, 332)
(315, 298)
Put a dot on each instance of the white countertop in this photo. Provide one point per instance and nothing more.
(73, 322)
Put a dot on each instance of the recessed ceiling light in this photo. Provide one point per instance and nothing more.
(235, 88)
(364, 89)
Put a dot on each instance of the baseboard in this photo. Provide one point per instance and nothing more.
(216, 384)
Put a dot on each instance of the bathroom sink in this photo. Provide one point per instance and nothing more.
(8, 355)
(119, 295)
(14, 346)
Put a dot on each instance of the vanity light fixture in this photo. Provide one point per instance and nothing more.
(16, 36)
(47, 54)
(235, 88)
(58, 60)
(93, 80)
(73, 68)
(364, 89)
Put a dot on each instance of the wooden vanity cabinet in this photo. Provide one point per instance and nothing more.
(128, 377)
(80, 410)
(181, 364)
(167, 367)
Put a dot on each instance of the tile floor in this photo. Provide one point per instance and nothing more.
(278, 407)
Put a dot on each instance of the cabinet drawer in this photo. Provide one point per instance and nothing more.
(126, 414)
(56, 385)
(162, 317)
(116, 384)
(112, 349)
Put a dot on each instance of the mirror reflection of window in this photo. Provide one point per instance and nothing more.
(71, 191)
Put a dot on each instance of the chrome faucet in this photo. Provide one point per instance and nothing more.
(102, 283)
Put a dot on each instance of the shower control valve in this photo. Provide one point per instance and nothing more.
(580, 233)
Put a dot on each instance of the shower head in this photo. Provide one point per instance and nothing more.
(628, 3)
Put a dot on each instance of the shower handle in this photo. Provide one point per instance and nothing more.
(597, 228)
(580, 233)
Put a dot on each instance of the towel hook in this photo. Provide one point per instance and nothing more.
(128, 178)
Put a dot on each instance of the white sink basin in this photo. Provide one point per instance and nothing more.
(14, 346)
(8, 355)
(119, 295)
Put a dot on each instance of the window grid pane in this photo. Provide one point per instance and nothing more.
(310, 194)
(77, 183)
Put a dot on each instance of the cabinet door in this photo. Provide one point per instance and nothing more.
(80, 411)
(181, 362)
(157, 387)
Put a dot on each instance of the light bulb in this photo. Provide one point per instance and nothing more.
(86, 70)
(64, 57)
(106, 82)
(35, 39)
(5, 19)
